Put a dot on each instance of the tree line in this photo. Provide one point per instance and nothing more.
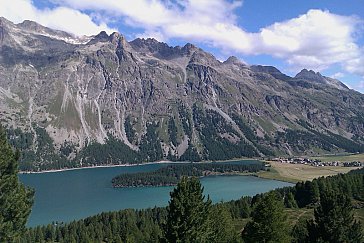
(171, 174)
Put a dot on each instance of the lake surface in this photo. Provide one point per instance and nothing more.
(70, 195)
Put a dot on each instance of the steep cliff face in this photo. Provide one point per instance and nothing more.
(71, 101)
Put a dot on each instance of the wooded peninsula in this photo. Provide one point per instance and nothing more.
(171, 174)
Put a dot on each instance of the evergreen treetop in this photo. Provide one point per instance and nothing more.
(269, 222)
(188, 213)
(15, 199)
(334, 220)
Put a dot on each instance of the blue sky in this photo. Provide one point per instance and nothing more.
(324, 35)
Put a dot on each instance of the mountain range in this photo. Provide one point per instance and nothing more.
(70, 101)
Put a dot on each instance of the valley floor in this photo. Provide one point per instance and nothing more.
(300, 172)
(341, 158)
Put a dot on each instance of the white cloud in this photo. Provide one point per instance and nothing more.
(61, 18)
(316, 39)
(338, 75)
(208, 21)
(356, 64)
(359, 86)
(152, 34)
(147, 13)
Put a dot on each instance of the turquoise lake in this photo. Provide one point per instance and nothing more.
(75, 194)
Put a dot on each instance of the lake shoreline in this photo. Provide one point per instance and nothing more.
(128, 164)
(97, 166)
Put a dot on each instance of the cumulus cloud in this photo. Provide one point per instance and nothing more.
(358, 86)
(315, 40)
(61, 18)
(338, 75)
(356, 64)
(361, 84)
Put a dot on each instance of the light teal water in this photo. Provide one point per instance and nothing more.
(70, 195)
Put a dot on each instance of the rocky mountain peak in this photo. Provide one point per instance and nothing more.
(100, 37)
(189, 46)
(31, 26)
(30, 31)
(204, 58)
(270, 70)
(155, 48)
(118, 39)
(310, 75)
(234, 60)
(4, 21)
(35, 28)
(189, 49)
(265, 69)
(115, 38)
(151, 41)
(6, 26)
(148, 45)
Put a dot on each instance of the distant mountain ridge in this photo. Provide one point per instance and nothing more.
(69, 101)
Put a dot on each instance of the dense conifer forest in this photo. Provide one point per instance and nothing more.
(171, 174)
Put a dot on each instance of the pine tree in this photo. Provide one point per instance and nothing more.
(222, 225)
(15, 199)
(188, 213)
(268, 221)
(289, 201)
(334, 220)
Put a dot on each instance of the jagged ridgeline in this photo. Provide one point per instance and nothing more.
(170, 175)
(70, 102)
